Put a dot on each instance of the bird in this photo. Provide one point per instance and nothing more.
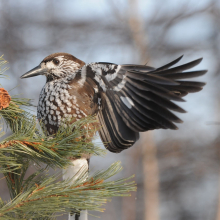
(126, 99)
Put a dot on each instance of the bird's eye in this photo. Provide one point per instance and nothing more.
(56, 61)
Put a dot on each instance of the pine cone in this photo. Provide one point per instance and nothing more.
(5, 98)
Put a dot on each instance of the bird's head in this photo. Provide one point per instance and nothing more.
(56, 66)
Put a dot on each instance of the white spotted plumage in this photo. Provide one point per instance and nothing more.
(55, 103)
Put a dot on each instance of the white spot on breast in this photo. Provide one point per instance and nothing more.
(54, 107)
(58, 101)
(66, 115)
(62, 109)
(68, 103)
(127, 101)
(54, 118)
(62, 97)
(51, 98)
(83, 113)
(51, 112)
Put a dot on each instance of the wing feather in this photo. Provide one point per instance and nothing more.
(137, 98)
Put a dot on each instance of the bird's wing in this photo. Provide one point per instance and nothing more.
(137, 98)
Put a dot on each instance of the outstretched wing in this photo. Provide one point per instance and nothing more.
(137, 98)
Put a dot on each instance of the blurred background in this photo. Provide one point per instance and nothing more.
(177, 172)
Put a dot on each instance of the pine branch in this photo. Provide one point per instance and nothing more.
(13, 115)
(40, 196)
(63, 196)
(29, 142)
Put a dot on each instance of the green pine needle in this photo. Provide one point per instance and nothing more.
(63, 196)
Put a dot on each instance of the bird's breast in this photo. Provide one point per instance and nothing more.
(60, 102)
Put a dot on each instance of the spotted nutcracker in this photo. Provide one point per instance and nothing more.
(127, 99)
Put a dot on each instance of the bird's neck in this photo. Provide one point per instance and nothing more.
(51, 78)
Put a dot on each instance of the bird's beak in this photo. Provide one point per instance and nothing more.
(38, 70)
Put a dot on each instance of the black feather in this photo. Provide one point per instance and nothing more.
(152, 106)
(151, 78)
(114, 128)
(184, 75)
(169, 64)
(156, 89)
(178, 68)
(138, 98)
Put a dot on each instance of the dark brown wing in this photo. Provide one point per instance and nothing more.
(137, 98)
